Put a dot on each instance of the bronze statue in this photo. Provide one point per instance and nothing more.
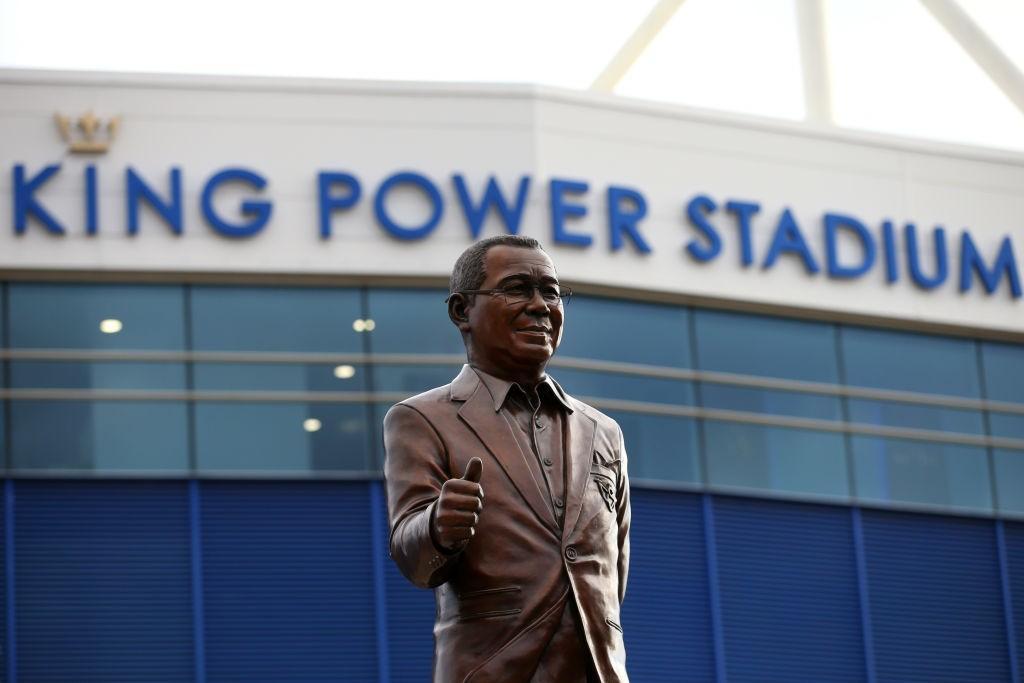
(506, 495)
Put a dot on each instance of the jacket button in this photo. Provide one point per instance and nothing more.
(571, 554)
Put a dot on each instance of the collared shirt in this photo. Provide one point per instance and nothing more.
(536, 416)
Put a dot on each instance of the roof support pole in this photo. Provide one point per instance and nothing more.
(982, 49)
(810, 19)
(635, 45)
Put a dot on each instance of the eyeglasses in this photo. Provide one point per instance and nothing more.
(520, 293)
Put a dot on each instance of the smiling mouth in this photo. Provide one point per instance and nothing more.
(535, 330)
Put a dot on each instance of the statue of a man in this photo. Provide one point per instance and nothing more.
(528, 577)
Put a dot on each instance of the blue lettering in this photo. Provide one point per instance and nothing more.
(328, 203)
(91, 201)
(835, 222)
(258, 210)
(475, 215)
(892, 272)
(137, 190)
(25, 204)
(428, 188)
(621, 222)
(744, 211)
(913, 260)
(1005, 263)
(697, 210)
(560, 210)
(788, 238)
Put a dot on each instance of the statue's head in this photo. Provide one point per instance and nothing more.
(507, 303)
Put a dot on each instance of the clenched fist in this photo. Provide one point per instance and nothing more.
(458, 508)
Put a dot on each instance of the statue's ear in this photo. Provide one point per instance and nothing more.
(458, 311)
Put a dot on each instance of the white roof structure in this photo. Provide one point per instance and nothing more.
(947, 70)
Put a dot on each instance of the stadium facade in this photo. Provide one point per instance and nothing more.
(213, 289)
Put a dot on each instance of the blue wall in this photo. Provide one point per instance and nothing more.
(273, 581)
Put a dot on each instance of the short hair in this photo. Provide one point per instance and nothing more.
(469, 271)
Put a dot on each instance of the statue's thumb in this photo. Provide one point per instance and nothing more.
(473, 470)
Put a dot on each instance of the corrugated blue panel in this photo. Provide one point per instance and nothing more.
(788, 582)
(103, 587)
(666, 617)
(4, 644)
(936, 601)
(410, 617)
(288, 582)
(1015, 564)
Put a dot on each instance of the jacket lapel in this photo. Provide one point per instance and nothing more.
(579, 437)
(496, 435)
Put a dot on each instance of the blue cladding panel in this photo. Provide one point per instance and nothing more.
(936, 603)
(104, 592)
(410, 613)
(790, 608)
(666, 616)
(287, 582)
(1015, 562)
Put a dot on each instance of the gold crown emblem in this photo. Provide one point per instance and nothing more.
(88, 135)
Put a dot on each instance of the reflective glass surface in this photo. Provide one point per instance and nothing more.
(660, 446)
(792, 403)
(286, 437)
(921, 472)
(1003, 365)
(910, 362)
(280, 377)
(412, 321)
(1010, 425)
(626, 331)
(412, 379)
(916, 416)
(276, 319)
(623, 387)
(759, 345)
(99, 435)
(97, 375)
(89, 316)
(1009, 465)
(775, 458)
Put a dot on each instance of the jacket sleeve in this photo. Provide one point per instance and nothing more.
(623, 517)
(415, 469)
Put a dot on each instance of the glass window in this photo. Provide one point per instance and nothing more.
(660, 446)
(794, 403)
(85, 316)
(413, 379)
(99, 435)
(276, 319)
(626, 331)
(1009, 466)
(412, 321)
(775, 458)
(910, 362)
(921, 472)
(280, 377)
(623, 387)
(295, 437)
(772, 347)
(1006, 424)
(97, 375)
(1004, 371)
(895, 414)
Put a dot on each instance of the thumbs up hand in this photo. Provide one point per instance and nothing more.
(458, 508)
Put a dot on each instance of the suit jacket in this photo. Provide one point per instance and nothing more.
(500, 598)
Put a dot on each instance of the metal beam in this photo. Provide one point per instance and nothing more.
(635, 45)
(982, 49)
(810, 19)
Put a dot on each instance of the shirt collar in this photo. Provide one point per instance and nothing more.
(499, 389)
